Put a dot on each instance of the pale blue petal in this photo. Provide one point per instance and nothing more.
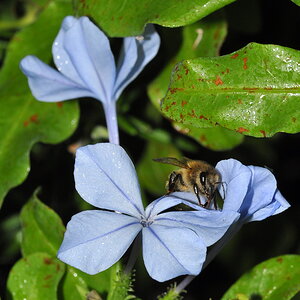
(236, 179)
(106, 178)
(49, 85)
(263, 199)
(95, 240)
(169, 252)
(135, 55)
(283, 204)
(61, 58)
(167, 201)
(210, 225)
(90, 53)
(127, 59)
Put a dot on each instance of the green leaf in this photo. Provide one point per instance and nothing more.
(217, 138)
(296, 2)
(40, 223)
(254, 91)
(200, 39)
(125, 18)
(73, 285)
(24, 120)
(100, 282)
(153, 175)
(203, 38)
(35, 277)
(10, 239)
(276, 278)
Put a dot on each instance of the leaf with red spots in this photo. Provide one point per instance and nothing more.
(203, 38)
(274, 279)
(216, 138)
(24, 120)
(35, 277)
(128, 18)
(200, 39)
(254, 91)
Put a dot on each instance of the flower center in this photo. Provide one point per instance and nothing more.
(145, 222)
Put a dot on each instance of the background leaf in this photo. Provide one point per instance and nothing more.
(218, 138)
(119, 18)
(276, 278)
(153, 175)
(24, 120)
(35, 277)
(40, 223)
(204, 39)
(73, 285)
(296, 2)
(254, 91)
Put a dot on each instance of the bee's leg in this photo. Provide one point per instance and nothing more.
(172, 182)
(196, 191)
(207, 203)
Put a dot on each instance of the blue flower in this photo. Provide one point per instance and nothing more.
(174, 243)
(86, 66)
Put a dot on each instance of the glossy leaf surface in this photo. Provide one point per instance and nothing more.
(218, 138)
(24, 120)
(119, 18)
(201, 39)
(35, 277)
(276, 278)
(254, 91)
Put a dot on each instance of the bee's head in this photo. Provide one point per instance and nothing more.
(209, 181)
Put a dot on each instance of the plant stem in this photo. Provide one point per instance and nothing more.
(112, 122)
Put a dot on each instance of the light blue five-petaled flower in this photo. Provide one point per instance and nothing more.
(174, 242)
(86, 67)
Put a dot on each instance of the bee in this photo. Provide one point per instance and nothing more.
(194, 176)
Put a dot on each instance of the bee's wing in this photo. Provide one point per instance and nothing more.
(172, 161)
